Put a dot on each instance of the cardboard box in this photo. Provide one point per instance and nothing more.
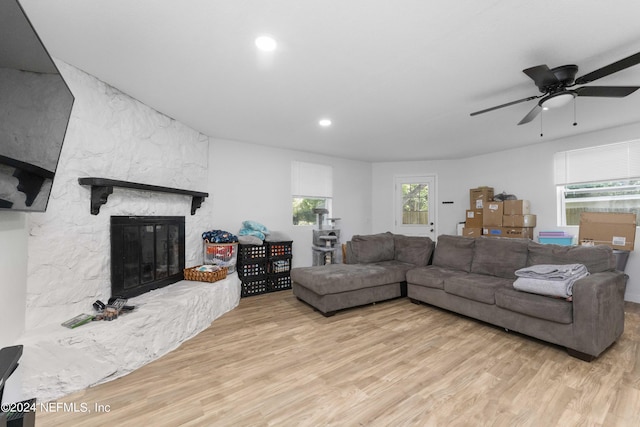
(617, 230)
(474, 218)
(472, 231)
(479, 196)
(492, 214)
(492, 231)
(519, 220)
(513, 232)
(518, 232)
(517, 207)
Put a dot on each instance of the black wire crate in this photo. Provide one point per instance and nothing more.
(254, 286)
(278, 282)
(252, 269)
(279, 249)
(252, 253)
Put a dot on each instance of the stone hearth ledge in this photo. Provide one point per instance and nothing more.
(58, 361)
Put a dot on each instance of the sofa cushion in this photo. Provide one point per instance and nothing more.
(336, 278)
(595, 258)
(543, 307)
(454, 252)
(432, 276)
(372, 247)
(498, 256)
(396, 267)
(476, 287)
(415, 250)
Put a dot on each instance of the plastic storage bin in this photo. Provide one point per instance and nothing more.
(252, 270)
(555, 238)
(254, 286)
(279, 266)
(563, 241)
(278, 282)
(222, 254)
(279, 249)
(252, 253)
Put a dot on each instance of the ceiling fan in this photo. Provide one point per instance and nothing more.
(557, 86)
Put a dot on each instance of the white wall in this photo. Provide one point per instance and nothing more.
(13, 270)
(526, 172)
(252, 182)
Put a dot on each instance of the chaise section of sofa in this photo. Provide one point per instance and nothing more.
(475, 276)
(375, 270)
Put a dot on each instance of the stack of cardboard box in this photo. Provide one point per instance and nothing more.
(511, 218)
(517, 220)
(474, 222)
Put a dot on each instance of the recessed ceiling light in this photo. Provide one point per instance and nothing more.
(266, 43)
(324, 123)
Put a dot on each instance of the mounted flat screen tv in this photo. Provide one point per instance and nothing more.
(35, 105)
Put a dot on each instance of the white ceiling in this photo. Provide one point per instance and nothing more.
(397, 78)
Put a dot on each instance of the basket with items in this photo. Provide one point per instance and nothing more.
(206, 273)
(221, 249)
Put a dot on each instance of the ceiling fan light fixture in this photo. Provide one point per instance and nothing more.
(556, 100)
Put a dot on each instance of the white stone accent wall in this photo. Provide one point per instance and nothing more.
(110, 135)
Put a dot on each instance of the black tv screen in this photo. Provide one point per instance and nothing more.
(35, 105)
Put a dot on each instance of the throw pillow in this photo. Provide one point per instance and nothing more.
(372, 248)
(454, 252)
(413, 249)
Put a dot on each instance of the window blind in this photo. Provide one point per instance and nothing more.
(311, 180)
(601, 163)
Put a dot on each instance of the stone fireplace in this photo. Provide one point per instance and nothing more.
(69, 267)
(147, 252)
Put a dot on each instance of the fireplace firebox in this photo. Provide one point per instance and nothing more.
(147, 252)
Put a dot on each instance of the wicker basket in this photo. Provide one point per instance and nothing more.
(205, 276)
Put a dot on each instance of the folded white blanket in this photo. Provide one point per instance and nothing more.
(553, 271)
(552, 280)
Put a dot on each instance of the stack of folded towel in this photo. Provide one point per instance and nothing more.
(219, 236)
(252, 233)
(550, 279)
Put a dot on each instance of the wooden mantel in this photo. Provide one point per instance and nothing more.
(102, 187)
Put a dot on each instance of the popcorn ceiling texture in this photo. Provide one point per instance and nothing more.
(111, 135)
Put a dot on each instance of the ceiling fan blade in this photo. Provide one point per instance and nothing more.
(504, 105)
(606, 91)
(531, 115)
(541, 75)
(627, 62)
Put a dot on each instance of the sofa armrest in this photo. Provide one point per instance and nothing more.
(598, 311)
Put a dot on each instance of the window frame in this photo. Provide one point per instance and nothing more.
(624, 184)
(312, 181)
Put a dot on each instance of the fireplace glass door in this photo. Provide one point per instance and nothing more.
(146, 253)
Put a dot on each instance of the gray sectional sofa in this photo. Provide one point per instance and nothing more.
(474, 277)
(375, 270)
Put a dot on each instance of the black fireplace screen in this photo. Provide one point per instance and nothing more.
(147, 252)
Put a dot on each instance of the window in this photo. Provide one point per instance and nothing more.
(415, 204)
(311, 188)
(602, 196)
(598, 179)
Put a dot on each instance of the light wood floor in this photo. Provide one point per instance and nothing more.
(274, 361)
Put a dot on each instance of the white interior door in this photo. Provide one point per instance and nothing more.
(414, 205)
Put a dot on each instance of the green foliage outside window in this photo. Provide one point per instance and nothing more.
(415, 203)
(303, 210)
